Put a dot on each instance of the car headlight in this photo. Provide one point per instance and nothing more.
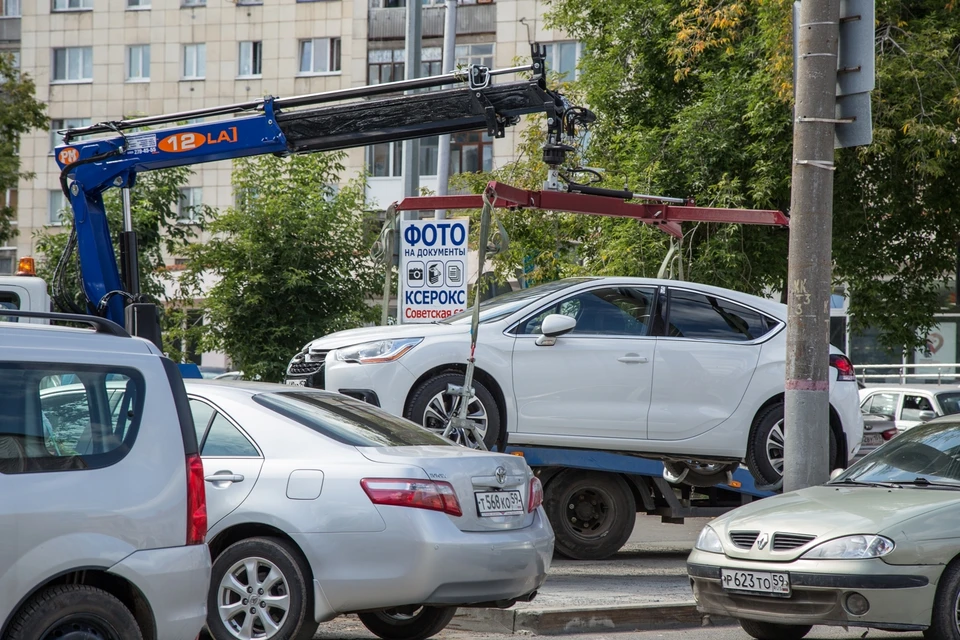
(378, 351)
(709, 541)
(851, 548)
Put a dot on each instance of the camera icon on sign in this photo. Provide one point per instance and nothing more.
(415, 274)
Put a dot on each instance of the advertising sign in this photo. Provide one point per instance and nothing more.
(433, 269)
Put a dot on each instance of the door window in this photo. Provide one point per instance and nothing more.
(225, 440)
(202, 414)
(9, 300)
(912, 406)
(881, 404)
(615, 311)
(694, 315)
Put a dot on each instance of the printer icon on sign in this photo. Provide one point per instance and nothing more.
(435, 274)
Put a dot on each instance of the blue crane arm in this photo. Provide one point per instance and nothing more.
(90, 166)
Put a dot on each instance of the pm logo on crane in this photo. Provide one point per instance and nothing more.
(68, 156)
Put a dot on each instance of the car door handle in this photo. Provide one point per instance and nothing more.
(224, 477)
(632, 358)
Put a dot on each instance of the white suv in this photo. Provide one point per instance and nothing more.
(684, 372)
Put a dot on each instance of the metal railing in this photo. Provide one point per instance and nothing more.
(941, 372)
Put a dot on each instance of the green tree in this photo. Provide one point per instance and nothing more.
(19, 113)
(154, 204)
(289, 262)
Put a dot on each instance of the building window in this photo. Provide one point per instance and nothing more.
(65, 123)
(138, 63)
(194, 61)
(193, 3)
(385, 160)
(9, 8)
(320, 55)
(393, 4)
(471, 152)
(138, 4)
(387, 65)
(251, 59)
(57, 207)
(562, 58)
(72, 5)
(480, 54)
(8, 260)
(191, 199)
(73, 64)
(429, 154)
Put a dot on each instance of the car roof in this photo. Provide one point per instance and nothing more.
(930, 388)
(243, 387)
(44, 336)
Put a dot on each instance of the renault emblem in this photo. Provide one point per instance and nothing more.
(501, 474)
(762, 541)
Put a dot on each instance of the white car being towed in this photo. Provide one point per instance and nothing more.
(684, 372)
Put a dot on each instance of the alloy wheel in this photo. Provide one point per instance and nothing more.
(444, 406)
(774, 447)
(253, 599)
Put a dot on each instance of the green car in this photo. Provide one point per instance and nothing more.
(878, 546)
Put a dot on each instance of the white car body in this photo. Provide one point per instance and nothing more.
(672, 397)
(910, 405)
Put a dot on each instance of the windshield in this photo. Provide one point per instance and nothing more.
(949, 402)
(509, 303)
(930, 451)
(347, 420)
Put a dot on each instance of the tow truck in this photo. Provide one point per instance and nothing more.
(465, 100)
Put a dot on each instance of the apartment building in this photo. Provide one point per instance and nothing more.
(96, 60)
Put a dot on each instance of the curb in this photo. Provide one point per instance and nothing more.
(558, 621)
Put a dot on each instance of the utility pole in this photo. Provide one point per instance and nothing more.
(411, 56)
(806, 411)
(449, 57)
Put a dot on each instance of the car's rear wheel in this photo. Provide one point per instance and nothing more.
(945, 621)
(407, 623)
(75, 612)
(771, 631)
(431, 406)
(259, 588)
(593, 514)
(765, 449)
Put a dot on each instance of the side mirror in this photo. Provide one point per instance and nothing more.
(926, 415)
(554, 326)
(835, 473)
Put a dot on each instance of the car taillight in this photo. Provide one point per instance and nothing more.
(889, 434)
(419, 494)
(535, 498)
(844, 367)
(196, 501)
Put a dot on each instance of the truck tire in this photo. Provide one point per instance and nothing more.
(772, 631)
(765, 447)
(431, 407)
(593, 514)
(418, 623)
(71, 609)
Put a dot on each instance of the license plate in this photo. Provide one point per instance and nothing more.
(296, 383)
(755, 581)
(872, 440)
(499, 503)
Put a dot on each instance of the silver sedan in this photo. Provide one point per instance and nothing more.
(320, 505)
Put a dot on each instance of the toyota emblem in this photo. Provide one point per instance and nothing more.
(762, 541)
(501, 474)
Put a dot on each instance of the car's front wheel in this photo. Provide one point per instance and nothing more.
(771, 631)
(431, 406)
(74, 610)
(259, 588)
(945, 621)
(407, 623)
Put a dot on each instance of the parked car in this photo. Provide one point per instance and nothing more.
(322, 505)
(103, 514)
(685, 372)
(878, 546)
(910, 405)
(877, 429)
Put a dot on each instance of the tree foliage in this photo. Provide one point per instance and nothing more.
(19, 113)
(289, 263)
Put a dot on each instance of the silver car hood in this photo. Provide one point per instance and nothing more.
(826, 512)
(368, 334)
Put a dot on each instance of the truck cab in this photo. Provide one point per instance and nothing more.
(24, 291)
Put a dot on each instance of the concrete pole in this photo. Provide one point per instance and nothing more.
(449, 58)
(411, 148)
(806, 412)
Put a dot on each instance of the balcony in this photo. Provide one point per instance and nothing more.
(10, 29)
(388, 24)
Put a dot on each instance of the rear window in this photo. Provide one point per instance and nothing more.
(348, 420)
(9, 300)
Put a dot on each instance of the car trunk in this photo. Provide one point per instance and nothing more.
(474, 476)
